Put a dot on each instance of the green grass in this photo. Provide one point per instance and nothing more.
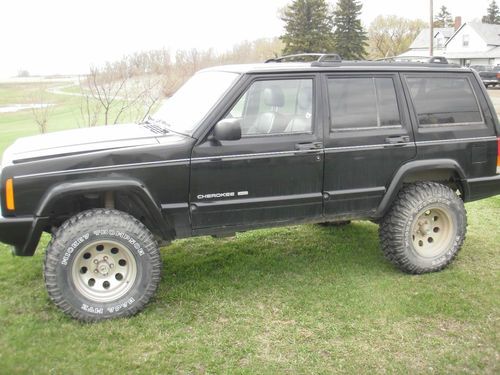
(20, 124)
(65, 113)
(302, 299)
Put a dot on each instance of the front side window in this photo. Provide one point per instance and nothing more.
(272, 107)
(362, 103)
(443, 100)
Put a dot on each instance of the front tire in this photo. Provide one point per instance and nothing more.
(102, 264)
(424, 229)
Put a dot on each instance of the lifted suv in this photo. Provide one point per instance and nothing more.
(252, 146)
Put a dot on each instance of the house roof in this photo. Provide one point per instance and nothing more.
(422, 39)
(490, 33)
(446, 31)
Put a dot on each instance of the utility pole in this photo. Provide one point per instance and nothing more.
(431, 48)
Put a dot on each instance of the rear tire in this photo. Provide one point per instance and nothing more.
(102, 264)
(424, 229)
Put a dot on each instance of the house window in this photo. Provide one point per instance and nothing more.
(440, 43)
(465, 40)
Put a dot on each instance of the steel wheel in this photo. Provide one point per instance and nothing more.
(424, 229)
(104, 271)
(433, 232)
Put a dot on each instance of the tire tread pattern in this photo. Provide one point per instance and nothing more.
(99, 218)
(391, 229)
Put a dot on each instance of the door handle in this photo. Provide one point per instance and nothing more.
(398, 140)
(309, 146)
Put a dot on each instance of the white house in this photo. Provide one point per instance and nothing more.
(472, 43)
(420, 46)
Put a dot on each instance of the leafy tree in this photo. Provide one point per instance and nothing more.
(443, 18)
(349, 36)
(392, 35)
(308, 27)
(492, 14)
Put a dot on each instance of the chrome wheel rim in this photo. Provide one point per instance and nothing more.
(104, 271)
(432, 232)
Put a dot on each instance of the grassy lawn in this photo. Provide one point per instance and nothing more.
(303, 299)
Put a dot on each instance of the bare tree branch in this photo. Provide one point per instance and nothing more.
(41, 109)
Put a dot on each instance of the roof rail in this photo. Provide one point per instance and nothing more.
(421, 59)
(438, 60)
(308, 57)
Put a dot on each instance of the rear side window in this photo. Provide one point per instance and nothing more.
(362, 103)
(444, 101)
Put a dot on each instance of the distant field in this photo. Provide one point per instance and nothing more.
(20, 124)
(65, 113)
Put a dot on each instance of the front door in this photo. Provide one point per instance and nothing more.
(368, 138)
(274, 173)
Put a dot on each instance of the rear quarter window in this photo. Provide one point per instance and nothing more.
(444, 101)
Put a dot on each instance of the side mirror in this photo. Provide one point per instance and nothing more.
(227, 130)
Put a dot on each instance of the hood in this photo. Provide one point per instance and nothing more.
(77, 141)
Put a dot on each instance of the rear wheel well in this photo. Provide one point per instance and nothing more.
(447, 177)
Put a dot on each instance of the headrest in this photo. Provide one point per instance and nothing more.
(304, 99)
(274, 97)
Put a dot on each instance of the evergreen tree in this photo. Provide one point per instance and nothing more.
(443, 18)
(492, 14)
(308, 27)
(349, 36)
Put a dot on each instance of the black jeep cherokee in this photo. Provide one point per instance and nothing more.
(252, 146)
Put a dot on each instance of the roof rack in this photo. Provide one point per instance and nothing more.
(334, 60)
(308, 57)
(438, 60)
(420, 59)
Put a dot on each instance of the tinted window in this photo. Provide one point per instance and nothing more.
(276, 107)
(387, 102)
(444, 100)
(362, 103)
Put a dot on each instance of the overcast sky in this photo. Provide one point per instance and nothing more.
(66, 36)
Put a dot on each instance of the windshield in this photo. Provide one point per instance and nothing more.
(184, 110)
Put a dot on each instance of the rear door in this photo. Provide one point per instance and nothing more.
(368, 138)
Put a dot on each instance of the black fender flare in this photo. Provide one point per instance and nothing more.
(418, 166)
(131, 187)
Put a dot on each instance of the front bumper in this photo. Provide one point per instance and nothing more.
(23, 233)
